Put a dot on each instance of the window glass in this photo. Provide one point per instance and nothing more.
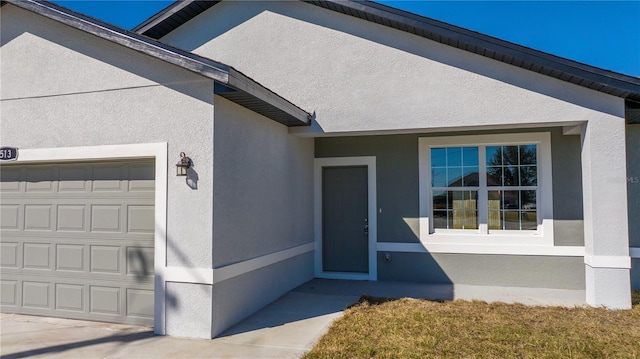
(511, 166)
(512, 210)
(455, 209)
(455, 167)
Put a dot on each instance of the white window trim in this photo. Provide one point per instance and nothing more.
(370, 162)
(542, 236)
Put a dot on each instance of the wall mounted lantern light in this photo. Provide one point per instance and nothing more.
(183, 165)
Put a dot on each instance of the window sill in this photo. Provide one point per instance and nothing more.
(477, 247)
(530, 238)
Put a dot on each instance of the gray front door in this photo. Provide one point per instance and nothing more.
(345, 233)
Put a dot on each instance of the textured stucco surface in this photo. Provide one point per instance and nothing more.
(397, 178)
(64, 88)
(188, 310)
(604, 181)
(263, 188)
(608, 287)
(237, 298)
(633, 182)
(484, 270)
(360, 76)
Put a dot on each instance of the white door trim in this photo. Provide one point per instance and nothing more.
(370, 162)
(158, 151)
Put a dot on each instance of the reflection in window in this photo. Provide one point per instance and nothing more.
(515, 210)
(455, 167)
(455, 209)
(511, 190)
(511, 165)
(512, 178)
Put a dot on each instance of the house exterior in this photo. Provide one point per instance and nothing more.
(355, 141)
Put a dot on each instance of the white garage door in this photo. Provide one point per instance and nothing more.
(77, 240)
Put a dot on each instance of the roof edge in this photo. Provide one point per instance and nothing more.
(262, 100)
(577, 73)
(466, 36)
(208, 68)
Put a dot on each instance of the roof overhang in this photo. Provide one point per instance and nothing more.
(239, 88)
(609, 82)
(632, 112)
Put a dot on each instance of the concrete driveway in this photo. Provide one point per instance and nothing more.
(287, 328)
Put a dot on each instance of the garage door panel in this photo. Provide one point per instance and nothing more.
(9, 254)
(104, 300)
(10, 180)
(70, 257)
(35, 294)
(71, 217)
(141, 178)
(105, 259)
(37, 255)
(73, 178)
(106, 218)
(108, 178)
(138, 303)
(37, 217)
(8, 292)
(140, 261)
(140, 219)
(69, 297)
(10, 216)
(77, 240)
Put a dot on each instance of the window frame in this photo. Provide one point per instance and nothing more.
(542, 235)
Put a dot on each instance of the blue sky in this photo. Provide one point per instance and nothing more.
(604, 34)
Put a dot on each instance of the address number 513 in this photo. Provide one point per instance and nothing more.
(8, 153)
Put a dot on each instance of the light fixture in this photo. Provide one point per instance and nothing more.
(183, 165)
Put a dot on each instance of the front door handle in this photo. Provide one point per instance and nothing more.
(366, 229)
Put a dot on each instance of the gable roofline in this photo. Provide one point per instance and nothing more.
(229, 83)
(594, 78)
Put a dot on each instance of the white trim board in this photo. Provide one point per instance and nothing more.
(237, 269)
(158, 151)
(456, 248)
(608, 261)
(370, 162)
(212, 276)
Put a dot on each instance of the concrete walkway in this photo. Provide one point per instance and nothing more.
(287, 328)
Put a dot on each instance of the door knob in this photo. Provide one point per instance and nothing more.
(366, 229)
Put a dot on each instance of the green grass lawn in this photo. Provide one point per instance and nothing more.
(411, 328)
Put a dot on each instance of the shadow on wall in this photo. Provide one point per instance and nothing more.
(192, 178)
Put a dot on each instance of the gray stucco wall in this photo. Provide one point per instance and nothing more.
(360, 76)
(65, 88)
(633, 182)
(263, 188)
(489, 270)
(263, 204)
(239, 297)
(398, 197)
(397, 179)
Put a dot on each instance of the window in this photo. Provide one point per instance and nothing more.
(478, 187)
(454, 187)
(512, 179)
